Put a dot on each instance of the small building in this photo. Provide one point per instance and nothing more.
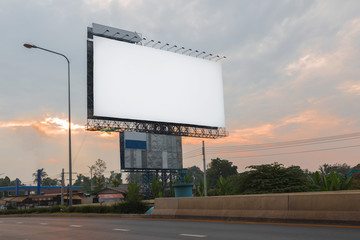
(112, 194)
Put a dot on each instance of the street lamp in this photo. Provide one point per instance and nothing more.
(70, 168)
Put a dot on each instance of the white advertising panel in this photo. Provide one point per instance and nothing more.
(136, 82)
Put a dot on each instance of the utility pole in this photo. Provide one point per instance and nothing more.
(91, 180)
(62, 187)
(203, 152)
(69, 104)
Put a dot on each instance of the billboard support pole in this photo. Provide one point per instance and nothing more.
(203, 152)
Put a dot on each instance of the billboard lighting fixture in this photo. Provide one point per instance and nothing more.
(207, 55)
(186, 51)
(156, 43)
(175, 46)
(148, 42)
(182, 48)
(164, 46)
(200, 54)
(196, 51)
(217, 56)
(223, 57)
(115, 34)
(132, 38)
(106, 31)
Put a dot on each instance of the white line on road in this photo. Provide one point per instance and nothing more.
(44, 224)
(192, 235)
(121, 229)
(19, 222)
(76, 226)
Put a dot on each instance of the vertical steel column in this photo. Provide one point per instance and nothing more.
(204, 161)
(17, 187)
(62, 187)
(38, 181)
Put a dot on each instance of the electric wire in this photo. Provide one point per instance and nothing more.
(224, 150)
(210, 150)
(305, 151)
(295, 142)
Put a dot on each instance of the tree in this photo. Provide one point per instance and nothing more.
(4, 182)
(225, 186)
(195, 173)
(13, 182)
(220, 167)
(157, 188)
(99, 179)
(273, 178)
(343, 169)
(83, 181)
(43, 175)
(133, 177)
(50, 181)
(332, 182)
(115, 179)
(99, 167)
(200, 187)
(133, 194)
(45, 180)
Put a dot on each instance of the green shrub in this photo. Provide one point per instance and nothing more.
(121, 207)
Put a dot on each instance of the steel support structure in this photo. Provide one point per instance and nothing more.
(149, 174)
(157, 128)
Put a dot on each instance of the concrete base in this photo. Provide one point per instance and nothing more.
(338, 206)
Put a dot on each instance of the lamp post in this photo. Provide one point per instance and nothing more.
(68, 62)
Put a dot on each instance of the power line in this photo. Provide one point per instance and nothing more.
(192, 156)
(277, 147)
(192, 151)
(308, 141)
(306, 151)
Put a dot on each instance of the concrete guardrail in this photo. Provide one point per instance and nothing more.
(337, 206)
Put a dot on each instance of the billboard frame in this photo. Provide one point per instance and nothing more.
(108, 124)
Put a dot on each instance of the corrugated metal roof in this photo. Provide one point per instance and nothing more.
(19, 199)
(77, 197)
(106, 196)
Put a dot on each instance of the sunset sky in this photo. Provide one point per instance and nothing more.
(291, 73)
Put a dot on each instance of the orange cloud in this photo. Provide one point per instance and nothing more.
(49, 126)
(350, 88)
(308, 123)
(309, 61)
(50, 160)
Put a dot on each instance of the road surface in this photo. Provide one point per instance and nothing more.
(38, 228)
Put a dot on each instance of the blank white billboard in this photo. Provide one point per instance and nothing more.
(135, 82)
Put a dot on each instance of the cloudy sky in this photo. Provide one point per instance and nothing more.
(291, 73)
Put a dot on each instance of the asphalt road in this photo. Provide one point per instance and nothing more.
(39, 228)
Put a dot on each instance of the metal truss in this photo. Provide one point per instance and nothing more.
(149, 174)
(157, 128)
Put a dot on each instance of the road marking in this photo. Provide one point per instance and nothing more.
(44, 224)
(192, 235)
(75, 226)
(121, 229)
(19, 222)
(222, 221)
